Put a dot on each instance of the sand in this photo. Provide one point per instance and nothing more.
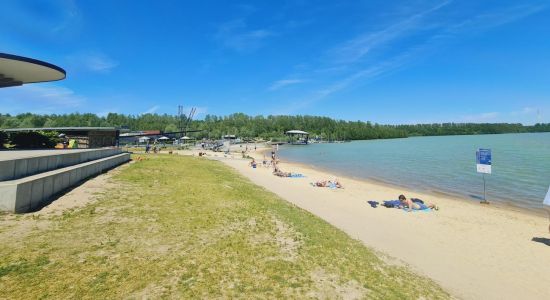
(474, 251)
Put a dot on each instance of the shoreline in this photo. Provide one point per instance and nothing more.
(435, 193)
(498, 204)
(472, 250)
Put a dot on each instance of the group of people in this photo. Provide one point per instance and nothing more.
(155, 148)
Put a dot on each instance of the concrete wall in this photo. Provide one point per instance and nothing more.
(27, 194)
(23, 167)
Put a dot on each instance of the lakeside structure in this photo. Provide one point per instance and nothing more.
(18, 70)
(297, 137)
(87, 137)
(30, 179)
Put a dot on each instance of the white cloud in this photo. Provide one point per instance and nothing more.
(151, 110)
(360, 46)
(348, 63)
(92, 61)
(284, 82)
(39, 98)
(486, 117)
(525, 111)
(100, 63)
(236, 35)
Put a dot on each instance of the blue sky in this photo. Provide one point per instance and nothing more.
(389, 62)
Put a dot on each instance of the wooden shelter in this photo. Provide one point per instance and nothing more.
(297, 137)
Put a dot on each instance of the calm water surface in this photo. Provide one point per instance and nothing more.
(521, 164)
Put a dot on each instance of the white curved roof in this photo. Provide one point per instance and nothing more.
(17, 70)
(296, 132)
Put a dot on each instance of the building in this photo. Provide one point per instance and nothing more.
(297, 137)
(87, 137)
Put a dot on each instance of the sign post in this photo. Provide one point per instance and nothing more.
(483, 164)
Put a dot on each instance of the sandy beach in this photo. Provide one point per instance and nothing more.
(474, 251)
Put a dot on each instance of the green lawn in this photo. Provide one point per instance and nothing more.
(186, 227)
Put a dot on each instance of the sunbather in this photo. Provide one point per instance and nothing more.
(328, 183)
(282, 174)
(410, 204)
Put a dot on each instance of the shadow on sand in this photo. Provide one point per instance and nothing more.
(541, 240)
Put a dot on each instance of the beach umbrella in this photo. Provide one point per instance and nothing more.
(185, 138)
(163, 138)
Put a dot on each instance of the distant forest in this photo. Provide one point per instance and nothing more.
(264, 127)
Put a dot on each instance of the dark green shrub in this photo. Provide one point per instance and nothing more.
(34, 139)
(3, 139)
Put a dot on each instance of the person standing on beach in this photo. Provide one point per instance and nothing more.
(546, 205)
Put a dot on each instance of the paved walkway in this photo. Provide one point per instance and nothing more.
(16, 154)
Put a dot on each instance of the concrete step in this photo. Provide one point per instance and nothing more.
(31, 192)
(19, 164)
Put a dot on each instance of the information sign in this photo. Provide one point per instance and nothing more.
(483, 161)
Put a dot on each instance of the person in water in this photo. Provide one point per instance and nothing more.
(415, 205)
(546, 205)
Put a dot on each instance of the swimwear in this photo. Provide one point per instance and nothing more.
(422, 206)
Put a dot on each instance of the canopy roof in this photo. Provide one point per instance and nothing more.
(296, 132)
(17, 70)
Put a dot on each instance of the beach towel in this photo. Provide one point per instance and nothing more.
(423, 207)
(406, 209)
(297, 175)
(391, 203)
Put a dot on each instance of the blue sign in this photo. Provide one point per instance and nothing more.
(484, 157)
(483, 161)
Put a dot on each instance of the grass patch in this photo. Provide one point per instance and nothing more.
(187, 227)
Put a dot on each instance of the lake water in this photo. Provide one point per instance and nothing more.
(520, 164)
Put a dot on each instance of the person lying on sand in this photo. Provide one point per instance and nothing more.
(282, 174)
(328, 183)
(415, 205)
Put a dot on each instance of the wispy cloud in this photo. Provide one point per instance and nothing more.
(373, 54)
(360, 46)
(51, 20)
(92, 61)
(481, 118)
(100, 63)
(525, 111)
(236, 35)
(151, 110)
(499, 17)
(41, 98)
(283, 83)
(526, 115)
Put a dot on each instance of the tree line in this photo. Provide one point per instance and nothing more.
(266, 127)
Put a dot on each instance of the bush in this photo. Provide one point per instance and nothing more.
(34, 139)
(3, 139)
